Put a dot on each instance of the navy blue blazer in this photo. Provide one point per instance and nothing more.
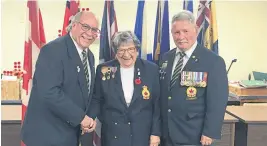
(59, 97)
(123, 125)
(185, 121)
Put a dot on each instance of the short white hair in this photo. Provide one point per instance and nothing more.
(184, 15)
(73, 19)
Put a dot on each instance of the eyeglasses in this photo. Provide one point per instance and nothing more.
(86, 27)
(129, 50)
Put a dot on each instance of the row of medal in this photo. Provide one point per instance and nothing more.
(108, 72)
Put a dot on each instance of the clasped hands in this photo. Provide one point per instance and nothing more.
(88, 125)
(154, 140)
(205, 141)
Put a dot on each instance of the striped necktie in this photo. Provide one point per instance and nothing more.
(85, 67)
(178, 69)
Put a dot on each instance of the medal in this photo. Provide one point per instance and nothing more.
(203, 84)
(108, 75)
(145, 92)
(104, 70)
(162, 70)
(103, 78)
(114, 70)
(191, 93)
(194, 79)
(204, 80)
(164, 65)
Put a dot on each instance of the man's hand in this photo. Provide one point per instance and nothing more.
(205, 141)
(89, 129)
(154, 140)
(87, 122)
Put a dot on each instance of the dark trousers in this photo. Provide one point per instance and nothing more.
(87, 139)
(168, 142)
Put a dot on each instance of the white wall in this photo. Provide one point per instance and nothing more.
(241, 29)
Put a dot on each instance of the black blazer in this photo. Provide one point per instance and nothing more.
(123, 125)
(59, 97)
(184, 121)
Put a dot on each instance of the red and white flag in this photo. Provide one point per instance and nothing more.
(72, 7)
(34, 40)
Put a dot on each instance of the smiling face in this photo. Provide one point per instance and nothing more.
(127, 54)
(184, 34)
(85, 31)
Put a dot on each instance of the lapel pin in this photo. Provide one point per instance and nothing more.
(78, 69)
(196, 60)
(193, 56)
(138, 71)
(137, 81)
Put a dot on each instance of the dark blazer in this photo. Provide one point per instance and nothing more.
(185, 121)
(59, 97)
(123, 125)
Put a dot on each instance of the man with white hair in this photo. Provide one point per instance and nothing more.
(62, 87)
(194, 88)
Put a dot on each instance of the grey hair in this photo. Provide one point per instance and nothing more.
(124, 37)
(184, 15)
(73, 19)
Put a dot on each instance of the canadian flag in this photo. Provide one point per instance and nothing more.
(34, 40)
(72, 7)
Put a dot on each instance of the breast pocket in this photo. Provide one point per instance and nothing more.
(71, 74)
(201, 92)
(146, 104)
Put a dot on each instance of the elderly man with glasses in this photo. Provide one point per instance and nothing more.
(62, 87)
(127, 96)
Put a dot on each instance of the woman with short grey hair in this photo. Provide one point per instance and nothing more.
(127, 96)
(124, 37)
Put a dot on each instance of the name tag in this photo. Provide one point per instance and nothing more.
(194, 79)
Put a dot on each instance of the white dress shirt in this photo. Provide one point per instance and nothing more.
(127, 76)
(187, 56)
(81, 56)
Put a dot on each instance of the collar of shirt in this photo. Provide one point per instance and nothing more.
(189, 52)
(79, 49)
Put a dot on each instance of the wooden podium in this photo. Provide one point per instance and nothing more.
(260, 94)
(10, 90)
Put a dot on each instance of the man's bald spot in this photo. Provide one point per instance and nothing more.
(89, 15)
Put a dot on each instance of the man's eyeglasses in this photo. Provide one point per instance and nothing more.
(86, 27)
(129, 50)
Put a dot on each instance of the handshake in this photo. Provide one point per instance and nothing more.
(88, 125)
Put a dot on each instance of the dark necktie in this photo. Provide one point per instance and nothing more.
(85, 67)
(178, 69)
